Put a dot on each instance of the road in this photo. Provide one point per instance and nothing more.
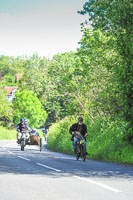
(49, 175)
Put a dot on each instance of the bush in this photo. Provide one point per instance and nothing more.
(59, 138)
(104, 141)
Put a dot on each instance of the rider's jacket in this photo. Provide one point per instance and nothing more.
(22, 127)
(80, 128)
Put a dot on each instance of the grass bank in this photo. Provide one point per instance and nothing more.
(7, 134)
(104, 142)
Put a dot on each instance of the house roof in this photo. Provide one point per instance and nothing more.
(10, 89)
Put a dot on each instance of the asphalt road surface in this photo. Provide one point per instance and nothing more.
(46, 175)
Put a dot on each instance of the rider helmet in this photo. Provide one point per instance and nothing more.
(34, 129)
(80, 119)
(21, 120)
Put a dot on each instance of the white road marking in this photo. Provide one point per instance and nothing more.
(99, 184)
(57, 170)
(23, 158)
(10, 152)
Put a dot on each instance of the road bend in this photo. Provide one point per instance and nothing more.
(50, 175)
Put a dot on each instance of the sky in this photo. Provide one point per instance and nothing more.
(45, 27)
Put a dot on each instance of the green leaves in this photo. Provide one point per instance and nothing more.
(6, 110)
(114, 20)
(28, 106)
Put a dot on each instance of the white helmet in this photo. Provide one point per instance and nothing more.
(34, 129)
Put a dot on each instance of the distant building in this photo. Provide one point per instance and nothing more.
(10, 92)
(18, 76)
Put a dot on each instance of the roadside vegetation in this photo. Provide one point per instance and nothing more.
(10, 134)
(95, 82)
(104, 141)
(6, 134)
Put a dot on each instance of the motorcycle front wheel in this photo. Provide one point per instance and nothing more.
(22, 145)
(77, 152)
(83, 152)
(22, 148)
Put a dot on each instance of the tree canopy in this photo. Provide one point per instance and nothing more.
(28, 106)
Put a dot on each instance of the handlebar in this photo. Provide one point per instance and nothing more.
(78, 135)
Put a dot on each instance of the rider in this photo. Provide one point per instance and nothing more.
(22, 126)
(45, 133)
(34, 132)
(26, 122)
(80, 127)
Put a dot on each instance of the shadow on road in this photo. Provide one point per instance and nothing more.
(11, 164)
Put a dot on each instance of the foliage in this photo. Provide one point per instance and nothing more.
(6, 134)
(10, 66)
(28, 106)
(6, 110)
(115, 19)
(59, 138)
(97, 59)
(104, 141)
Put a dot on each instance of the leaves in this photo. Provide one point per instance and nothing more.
(28, 106)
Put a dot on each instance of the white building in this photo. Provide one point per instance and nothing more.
(10, 92)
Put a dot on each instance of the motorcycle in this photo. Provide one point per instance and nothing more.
(80, 146)
(24, 140)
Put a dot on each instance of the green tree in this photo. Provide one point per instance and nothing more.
(114, 18)
(6, 110)
(99, 82)
(28, 106)
(10, 66)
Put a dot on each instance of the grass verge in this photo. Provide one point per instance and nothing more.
(6, 134)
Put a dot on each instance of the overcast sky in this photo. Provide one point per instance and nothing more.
(43, 26)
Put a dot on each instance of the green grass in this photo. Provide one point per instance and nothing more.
(6, 134)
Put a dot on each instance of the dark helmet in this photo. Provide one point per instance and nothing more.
(80, 119)
(22, 120)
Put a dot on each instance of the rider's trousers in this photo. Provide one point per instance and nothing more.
(75, 142)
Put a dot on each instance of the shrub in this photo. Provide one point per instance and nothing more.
(104, 141)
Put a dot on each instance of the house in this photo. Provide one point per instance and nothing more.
(11, 90)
